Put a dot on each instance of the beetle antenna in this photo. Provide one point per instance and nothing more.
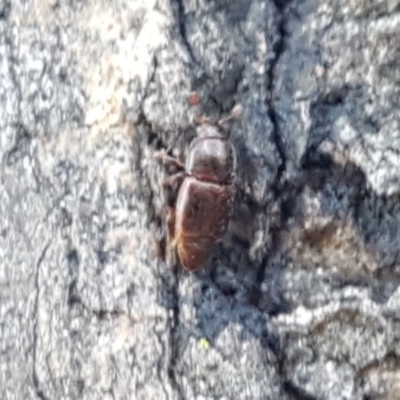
(235, 113)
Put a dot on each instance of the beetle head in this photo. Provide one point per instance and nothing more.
(210, 129)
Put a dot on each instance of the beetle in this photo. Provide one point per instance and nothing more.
(205, 196)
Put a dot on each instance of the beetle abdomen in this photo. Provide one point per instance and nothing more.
(203, 209)
(202, 216)
(194, 252)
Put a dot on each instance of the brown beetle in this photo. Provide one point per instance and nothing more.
(205, 197)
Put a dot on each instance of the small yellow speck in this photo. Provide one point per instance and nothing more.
(205, 344)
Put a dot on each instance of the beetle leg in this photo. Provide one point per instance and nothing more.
(171, 180)
(171, 226)
(171, 187)
(169, 159)
(171, 257)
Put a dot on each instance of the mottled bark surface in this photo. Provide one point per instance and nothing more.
(302, 299)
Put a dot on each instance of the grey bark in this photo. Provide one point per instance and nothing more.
(301, 301)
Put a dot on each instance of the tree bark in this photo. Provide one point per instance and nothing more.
(300, 301)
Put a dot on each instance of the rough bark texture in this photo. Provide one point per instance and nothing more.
(302, 301)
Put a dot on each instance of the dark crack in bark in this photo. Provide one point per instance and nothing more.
(273, 114)
(74, 300)
(282, 193)
(296, 393)
(182, 29)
